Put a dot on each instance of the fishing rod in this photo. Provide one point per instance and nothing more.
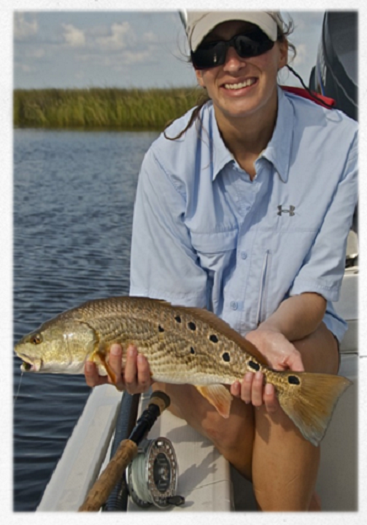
(124, 455)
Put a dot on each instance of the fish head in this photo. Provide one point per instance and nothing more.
(61, 345)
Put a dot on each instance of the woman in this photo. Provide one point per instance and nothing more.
(244, 207)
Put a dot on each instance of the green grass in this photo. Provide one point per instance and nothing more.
(101, 108)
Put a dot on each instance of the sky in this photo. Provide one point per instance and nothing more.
(140, 48)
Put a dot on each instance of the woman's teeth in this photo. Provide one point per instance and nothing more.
(240, 85)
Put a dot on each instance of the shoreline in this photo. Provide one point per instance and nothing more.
(101, 108)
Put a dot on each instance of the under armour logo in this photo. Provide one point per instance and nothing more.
(290, 211)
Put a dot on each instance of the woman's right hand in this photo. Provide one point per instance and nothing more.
(135, 378)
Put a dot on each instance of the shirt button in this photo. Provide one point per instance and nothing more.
(243, 255)
(233, 305)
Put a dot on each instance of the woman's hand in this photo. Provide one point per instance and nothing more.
(135, 378)
(280, 354)
(252, 390)
(276, 348)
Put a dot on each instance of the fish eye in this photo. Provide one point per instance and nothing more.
(36, 339)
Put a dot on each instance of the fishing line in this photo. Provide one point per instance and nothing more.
(20, 382)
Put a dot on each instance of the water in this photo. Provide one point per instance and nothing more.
(73, 202)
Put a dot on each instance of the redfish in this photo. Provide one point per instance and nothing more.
(183, 345)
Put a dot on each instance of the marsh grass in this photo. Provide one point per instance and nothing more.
(109, 108)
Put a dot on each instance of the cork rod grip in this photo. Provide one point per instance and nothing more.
(102, 488)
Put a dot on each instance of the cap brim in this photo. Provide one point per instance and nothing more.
(204, 24)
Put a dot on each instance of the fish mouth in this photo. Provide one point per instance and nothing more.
(30, 366)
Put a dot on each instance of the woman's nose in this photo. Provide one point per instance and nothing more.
(233, 60)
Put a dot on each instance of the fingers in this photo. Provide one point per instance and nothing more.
(131, 369)
(252, 390)
(135, 378)
(137, 372)
(270, 399)
(115, 362)
(144, 375)
(92, 377)
(295, 363)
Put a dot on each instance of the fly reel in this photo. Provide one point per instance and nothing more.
(153, 474)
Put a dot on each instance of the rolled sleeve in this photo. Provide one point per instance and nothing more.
(334, 323)
(323, 268)
(163, 262)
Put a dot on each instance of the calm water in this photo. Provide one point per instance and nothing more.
(73, 202)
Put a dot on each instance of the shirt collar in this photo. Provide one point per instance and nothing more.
(277, 151)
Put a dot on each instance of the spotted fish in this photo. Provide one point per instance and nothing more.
(182, 345)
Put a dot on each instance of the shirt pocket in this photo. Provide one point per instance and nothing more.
(211, 244)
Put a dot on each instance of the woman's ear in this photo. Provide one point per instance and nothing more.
(283, 54)
(199, 77)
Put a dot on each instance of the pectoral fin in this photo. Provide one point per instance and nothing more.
(100, 357)
(218, 396)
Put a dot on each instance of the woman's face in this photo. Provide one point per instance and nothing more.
(242, 86)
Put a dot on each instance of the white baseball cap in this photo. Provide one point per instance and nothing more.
(199, 23)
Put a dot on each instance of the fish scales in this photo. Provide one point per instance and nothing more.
(154, 328)
(182, 345)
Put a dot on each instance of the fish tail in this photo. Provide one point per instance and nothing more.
(309, 401)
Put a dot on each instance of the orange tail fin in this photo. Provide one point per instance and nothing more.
(310, 401)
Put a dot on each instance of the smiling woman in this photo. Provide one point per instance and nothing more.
(222, 222)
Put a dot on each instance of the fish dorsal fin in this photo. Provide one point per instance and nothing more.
(218, 396)
(222, 327)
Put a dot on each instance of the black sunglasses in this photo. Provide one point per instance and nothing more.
(213, 54)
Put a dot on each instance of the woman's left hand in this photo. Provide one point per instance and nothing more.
(275, 347)
(280, 354)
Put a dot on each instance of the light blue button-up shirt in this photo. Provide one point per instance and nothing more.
(205, 235)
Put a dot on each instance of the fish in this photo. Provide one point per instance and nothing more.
(183, 345)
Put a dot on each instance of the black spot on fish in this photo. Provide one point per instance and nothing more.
(192, 350)
(293, 380)
(213, 338)
(226, 357)
(192, 325)
(178, 318)
(160, 329)
(254, 366)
